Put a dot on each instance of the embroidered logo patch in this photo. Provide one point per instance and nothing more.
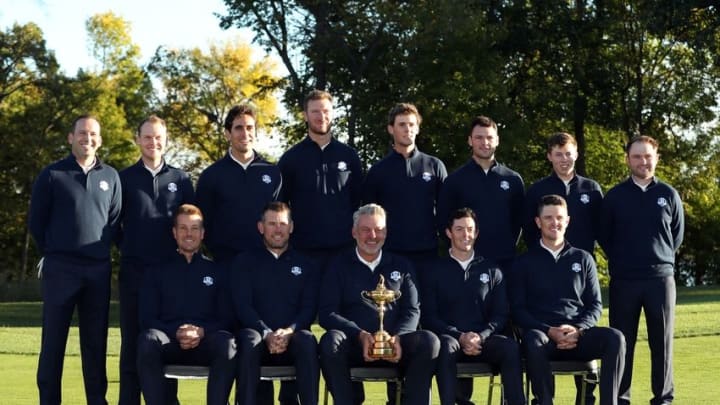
(342, 166)
(395, 275)
(104, 186)
(266, 179)
(662, 202)
(172, 187)
(296, 270)
(505, 185)
(484, 278)
(426, 176)
(584, 198)
(576, 267)
(208, 281)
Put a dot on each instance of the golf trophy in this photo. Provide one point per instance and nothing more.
(382, 348)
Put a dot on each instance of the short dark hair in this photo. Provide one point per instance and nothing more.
(403, 109)
(80, 118)
(153, 119)
(187, 209)
(641, 138)
(560, 139)
(316, 95)
(550, 199)
(459, 214)
(276, 206)
(482, 121)
(241, 109)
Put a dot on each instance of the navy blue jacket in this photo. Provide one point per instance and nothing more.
(545, 292)
(179, 292)
(641, 231)
(322, 187)
(232, 199)
(408, 189)
(584, 202)
(456, 301)
(497, 199)
(270, 293)
(342, 307)
(149, 204)
(75, 215)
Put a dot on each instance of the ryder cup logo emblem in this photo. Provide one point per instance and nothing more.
(266, 179)
(104, 186)
(662, 202)
(484, 278)
(208, 281)
(576, 267)
(342, 166)
(296, 270)
(172, 187)
(426, 176)
(395, 275)
(584, 198)
(505, 185)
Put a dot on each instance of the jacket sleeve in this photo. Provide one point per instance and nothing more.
(408, 305)
(307, 310)
(242, 296)
(521, 314)
(591, 298)
(330, 303)
(498, 308)
(40, 206)
(430, 314)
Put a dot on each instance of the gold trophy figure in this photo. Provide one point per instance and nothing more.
(382, 348)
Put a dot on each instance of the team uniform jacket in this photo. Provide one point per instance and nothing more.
(584, 201)
(74, 215)
(179, 292)
(322, 186)
(455, 301)
(546, 292)
(232, 199)
(342, 307)
(270, 293)
(408, 189)
(149, 204)
(497, 199)
(641, 231)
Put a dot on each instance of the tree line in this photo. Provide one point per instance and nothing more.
(602, 70)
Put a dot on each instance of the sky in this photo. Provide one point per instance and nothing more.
(174, 24)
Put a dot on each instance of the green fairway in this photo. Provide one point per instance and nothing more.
(697, 358)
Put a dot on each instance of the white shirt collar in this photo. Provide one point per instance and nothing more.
(244, 165)
(463, 263)
(554, 253)
(89, 167)
(643, 188)
(155, 172)
(373, 264)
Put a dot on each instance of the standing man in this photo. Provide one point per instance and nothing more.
(321, 174)
(233, 191)
(556, 304)
(74, 213)
(274, 292)
(407, 174)
(493, 191)
(152, 192)
(465, 304)
(643, 224)
(184, 314)
(584, 199)
(350, 320)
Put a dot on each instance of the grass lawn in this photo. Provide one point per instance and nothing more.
(697, 358)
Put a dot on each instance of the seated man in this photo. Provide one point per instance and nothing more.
(350, 320)
(274, 292)
(183, 314)
(464, 302)
(556, 303)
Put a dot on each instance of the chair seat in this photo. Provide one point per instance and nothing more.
(277, 373)
(573, 367)
(183, 372)
(473, 369)
(374, 373)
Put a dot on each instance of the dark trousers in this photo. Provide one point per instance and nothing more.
(156, 349)
(130, 279)
(499, 351)
(606, 344)
(656, 297)
(338, 354)
(66, 285)
(301, 352)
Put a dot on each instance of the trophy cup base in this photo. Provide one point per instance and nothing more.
(382, 349)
